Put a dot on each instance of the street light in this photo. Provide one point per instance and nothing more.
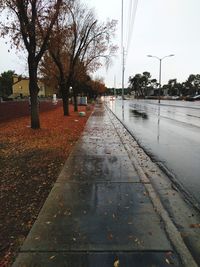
(160, 59)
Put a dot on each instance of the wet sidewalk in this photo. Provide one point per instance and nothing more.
(98, 213)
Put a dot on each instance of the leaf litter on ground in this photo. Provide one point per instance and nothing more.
(30, 162)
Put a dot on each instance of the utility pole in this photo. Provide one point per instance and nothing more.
(123, 61)
(123, 70)
(115, 85)
(160, 66)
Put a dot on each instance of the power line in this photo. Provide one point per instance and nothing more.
(133, 4)
(129, 19)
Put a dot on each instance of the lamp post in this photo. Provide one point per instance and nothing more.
(160, 68)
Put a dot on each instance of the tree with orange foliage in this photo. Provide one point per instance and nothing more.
(98, 86)
(29, 23)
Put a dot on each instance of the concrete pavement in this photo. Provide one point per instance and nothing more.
(99, 212)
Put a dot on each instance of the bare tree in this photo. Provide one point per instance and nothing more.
(79, 40)
(29, 23)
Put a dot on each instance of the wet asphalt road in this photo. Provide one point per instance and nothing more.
(170, 133)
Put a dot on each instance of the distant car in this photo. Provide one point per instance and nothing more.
(192, 98)
(6, 98)
(196, 97)
(175, 97)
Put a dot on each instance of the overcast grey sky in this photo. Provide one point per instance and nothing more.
(161, 27)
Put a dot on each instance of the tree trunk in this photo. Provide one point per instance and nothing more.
(33, 88)
(35, 120)
(75, 100)
(65, 104)
(65, 99)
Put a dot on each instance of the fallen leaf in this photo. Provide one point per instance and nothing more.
(116, 263)
(167, 261)
(195, 225)
(110, 236)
